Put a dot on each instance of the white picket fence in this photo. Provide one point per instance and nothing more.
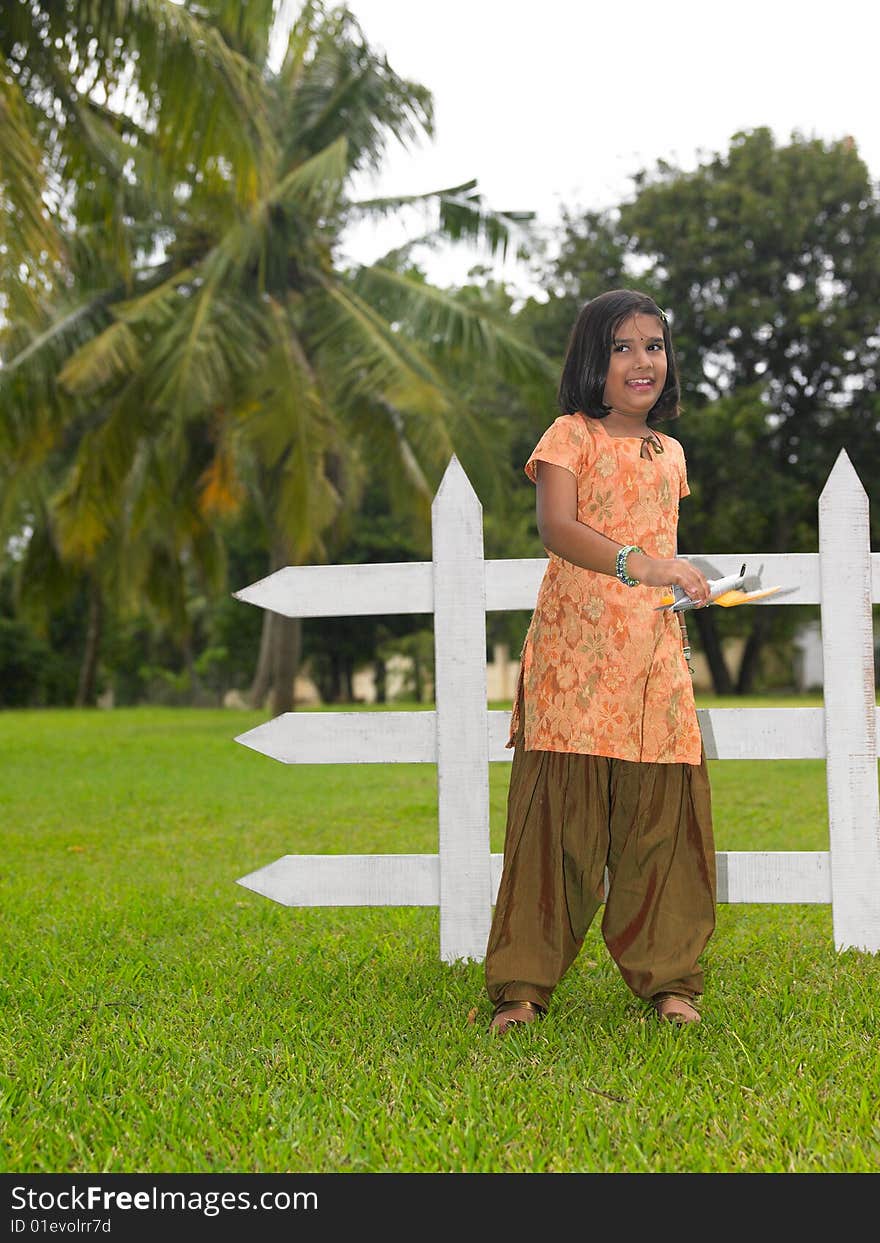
(462, 736)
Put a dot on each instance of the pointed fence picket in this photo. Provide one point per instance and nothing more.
(461, 736)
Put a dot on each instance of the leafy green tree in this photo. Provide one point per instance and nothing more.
(767, 258)
(774, 284)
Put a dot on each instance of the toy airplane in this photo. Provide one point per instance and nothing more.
(724, 591)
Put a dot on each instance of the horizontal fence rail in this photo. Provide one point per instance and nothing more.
(414, 880)
(407, 587)
(411, 737)
(462, 736)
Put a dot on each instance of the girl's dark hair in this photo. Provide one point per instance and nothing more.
(585, 369)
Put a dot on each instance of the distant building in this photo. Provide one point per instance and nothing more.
(502, 672)
(807, 644)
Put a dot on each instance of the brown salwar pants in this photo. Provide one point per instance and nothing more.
(569, 817)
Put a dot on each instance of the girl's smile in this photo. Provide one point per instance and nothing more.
(636, 374)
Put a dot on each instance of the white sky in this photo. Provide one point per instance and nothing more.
(560, 101)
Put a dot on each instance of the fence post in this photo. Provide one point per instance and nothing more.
(850, 709)
(462, 717)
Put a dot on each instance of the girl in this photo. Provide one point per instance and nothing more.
(608, 766)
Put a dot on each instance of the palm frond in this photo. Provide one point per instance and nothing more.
(111, 355)
(134, 167)
(63, 327)
(462, 215)
(465, 217)
(158, 306)
(212, 98)
(334, 84)
(381, 434)
(451, 323)
(195, 358)
(388, 203)
(42, 580)
(317, 181)
(29, 239)
(116, 353)
(300, 40)
(203, 356)
(37, 412)
(89, 501)
(221, 491)
(164, 65)
(247, 28)
(368, 358)
(292, 430)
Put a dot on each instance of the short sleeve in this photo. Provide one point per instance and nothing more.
(564, 444)
(683, 490)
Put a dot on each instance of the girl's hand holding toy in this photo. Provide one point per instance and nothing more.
(675, 572)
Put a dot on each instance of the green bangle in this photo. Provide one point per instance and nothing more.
(620, 571)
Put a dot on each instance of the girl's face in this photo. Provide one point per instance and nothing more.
(636, 367)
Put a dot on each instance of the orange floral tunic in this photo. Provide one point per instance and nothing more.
(602, 672)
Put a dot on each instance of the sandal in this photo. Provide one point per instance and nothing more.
(503, 1006)
(665, 1013)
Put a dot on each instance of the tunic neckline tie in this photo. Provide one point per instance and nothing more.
(648, 443)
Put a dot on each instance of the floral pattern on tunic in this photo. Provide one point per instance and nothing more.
(602, 671)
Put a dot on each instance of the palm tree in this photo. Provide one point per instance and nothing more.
(246, 345)
(102, 107)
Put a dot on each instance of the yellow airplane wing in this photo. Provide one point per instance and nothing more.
(731, 598)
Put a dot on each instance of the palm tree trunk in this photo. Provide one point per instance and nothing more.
(88, 671)
(262, 681)
(280, 648)
(287, 646)
(750, 660)
(381, 680)
(189, 665)
(277, 663)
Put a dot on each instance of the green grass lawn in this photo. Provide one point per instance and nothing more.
(160, 1018)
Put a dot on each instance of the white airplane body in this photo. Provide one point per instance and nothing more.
(725, 591)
